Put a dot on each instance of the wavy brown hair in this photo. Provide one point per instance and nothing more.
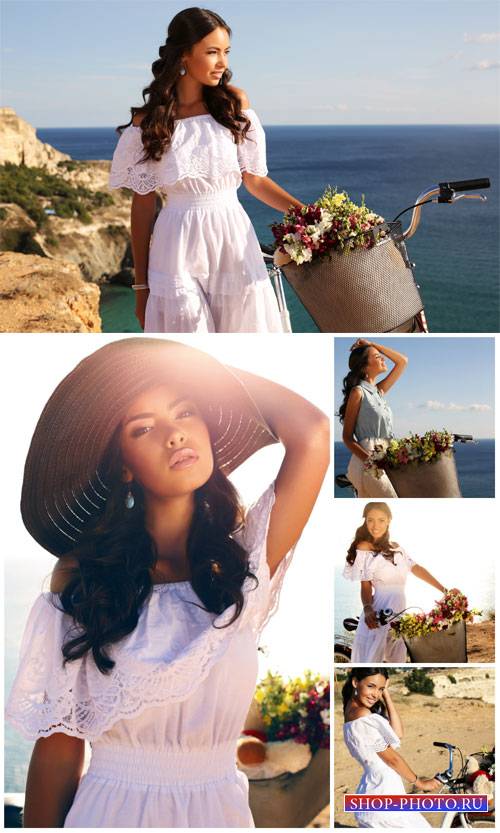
(358, 359)
(360, 674)
(160, 96)
(383, 545)
(112, 581)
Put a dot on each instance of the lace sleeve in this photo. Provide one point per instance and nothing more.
(252, 151)
(126, 169)
(41, 701)
(363, 568)
(264, 603)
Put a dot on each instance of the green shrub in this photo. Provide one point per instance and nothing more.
(418, 682)
(26, 186)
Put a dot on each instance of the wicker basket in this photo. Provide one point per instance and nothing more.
(444, 646)
(365, 290)
(292, 800)
(438, 478)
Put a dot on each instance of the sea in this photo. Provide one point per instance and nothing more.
(475, 465)
(456, 248)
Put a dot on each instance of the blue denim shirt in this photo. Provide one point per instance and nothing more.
(375, 416)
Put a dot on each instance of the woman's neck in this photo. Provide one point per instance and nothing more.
(372, 380)
(189, 93)
(168, 521)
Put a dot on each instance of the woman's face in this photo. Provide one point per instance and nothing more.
(165, 444)
(369, 690)
(208, 59)
(377, 523)
(376, 362)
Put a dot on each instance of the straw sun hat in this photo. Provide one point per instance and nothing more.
(64, 485)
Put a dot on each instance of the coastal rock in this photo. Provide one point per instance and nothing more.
(100, 248)
(39, 294)
(19, 143)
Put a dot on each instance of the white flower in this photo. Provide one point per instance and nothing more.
(325, 716)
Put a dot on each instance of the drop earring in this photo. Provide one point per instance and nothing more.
(182, 70)
(129, 498)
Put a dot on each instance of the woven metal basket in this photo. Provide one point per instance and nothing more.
(292, 800)
(445, 646)
(365, 290)
(438, 478)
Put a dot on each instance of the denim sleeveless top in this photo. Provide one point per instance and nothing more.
(375, 416)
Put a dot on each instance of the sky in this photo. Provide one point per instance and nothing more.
(81, 63)
(303, 363)
(448, 383)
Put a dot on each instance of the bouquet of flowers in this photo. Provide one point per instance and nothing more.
(331, 224)
(409, 450)
(296, 710)
(451, 609)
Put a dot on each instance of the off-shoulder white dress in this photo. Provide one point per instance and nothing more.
(206, 272)
(164, 724)
(364, 738)
(388, 582)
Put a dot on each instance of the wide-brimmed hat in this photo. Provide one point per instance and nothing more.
(64, 485)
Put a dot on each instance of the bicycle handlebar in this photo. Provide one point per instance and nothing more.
(465, 185)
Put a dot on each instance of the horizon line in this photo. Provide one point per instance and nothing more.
(265, 124)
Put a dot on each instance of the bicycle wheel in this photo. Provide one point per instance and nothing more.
(341, 654)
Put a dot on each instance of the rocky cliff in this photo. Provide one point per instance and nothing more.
(100, 245)
(19, 144)
(39, 294)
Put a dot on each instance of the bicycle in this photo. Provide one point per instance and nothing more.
(380, 276)
(457, 785)
(343, 647)
(343, 482)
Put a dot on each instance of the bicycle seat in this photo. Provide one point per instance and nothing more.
(350, 624)
(343, 481)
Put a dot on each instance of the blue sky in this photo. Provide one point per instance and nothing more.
(76, 63)
(448, 383)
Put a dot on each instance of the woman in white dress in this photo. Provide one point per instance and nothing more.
(382, 567)
(146, 644)
(194, 141)
(372, 733)
(365, 414)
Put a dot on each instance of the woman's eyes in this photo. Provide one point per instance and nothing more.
(140, 430)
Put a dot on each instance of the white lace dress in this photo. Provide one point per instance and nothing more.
(364, 738)
(205, 271)
(164, 724)
(388, 582)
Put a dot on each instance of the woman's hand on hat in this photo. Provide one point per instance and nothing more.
(360, 342)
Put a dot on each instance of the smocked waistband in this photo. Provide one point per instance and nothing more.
(227, 196)
(117, 762)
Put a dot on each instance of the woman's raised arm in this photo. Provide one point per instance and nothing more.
(304, 431)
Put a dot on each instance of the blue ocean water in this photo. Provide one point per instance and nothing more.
(475, 465)
(456, 249)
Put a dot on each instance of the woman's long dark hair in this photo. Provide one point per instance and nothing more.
(360, 674)
(112, 581)
(157, 126)
(382, 545)
(358, 359)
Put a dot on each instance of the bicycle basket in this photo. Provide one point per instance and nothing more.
(437, 478)
(444, 646)
(365, 290)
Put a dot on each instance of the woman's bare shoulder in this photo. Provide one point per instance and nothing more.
(245, 103)
(357, 711)
(62, 573)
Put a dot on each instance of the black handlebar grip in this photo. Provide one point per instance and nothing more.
(466, 184)
(444, 745)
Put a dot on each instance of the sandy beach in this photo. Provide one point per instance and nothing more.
(481, 642)
(463, 719)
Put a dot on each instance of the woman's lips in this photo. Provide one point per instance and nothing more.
(182, 459)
